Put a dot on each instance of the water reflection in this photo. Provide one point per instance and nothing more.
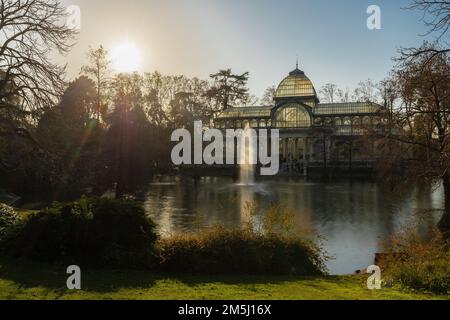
(354, 217)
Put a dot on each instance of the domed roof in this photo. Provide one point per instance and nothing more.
(297, 84)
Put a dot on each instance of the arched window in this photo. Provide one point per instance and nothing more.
(366, 121)
(337, 122)
(347, 121)
(292, 116)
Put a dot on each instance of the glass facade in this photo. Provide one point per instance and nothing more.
(292, 116)
(246, 112)
(346, 108)
(309, 131)
(295, 115)
(296, 106)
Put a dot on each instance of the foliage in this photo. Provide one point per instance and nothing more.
(71, 138)
(117, 233)
(267, 244)
(275, 219)
(86, 145)
(229, 88)
(417, 263)
(175, 100)
(98, 232)
(30, 83)
(97, 131)
(220, 250)
(9, 221)
(413, 146)
(98, 69)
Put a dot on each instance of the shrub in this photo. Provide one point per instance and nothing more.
(97, 232)
(240, 251)
(9, 221)
(417, 263)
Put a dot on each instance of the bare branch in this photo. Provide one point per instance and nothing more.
(31, 30)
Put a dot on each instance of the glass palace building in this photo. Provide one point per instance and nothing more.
(312, 134)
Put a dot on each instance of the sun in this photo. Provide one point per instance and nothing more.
(126, 57)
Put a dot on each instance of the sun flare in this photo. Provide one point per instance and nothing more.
(126, 57)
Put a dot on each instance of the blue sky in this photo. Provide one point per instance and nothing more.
(264, 37)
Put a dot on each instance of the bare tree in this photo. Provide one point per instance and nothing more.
(416, 146)
(343, 95)
(98, 68)
(436, 16)
(365, 92)
(388, 91)
(329, 92)
(30, 30)
(249, 100)
(268, 96)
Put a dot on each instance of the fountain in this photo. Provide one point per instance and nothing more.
(247, 166)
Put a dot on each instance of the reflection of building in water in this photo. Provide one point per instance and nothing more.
(311, 133)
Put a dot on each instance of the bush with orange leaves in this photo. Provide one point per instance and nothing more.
(417, 262)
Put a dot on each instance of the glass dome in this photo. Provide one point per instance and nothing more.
(297, 84)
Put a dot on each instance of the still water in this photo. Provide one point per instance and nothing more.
(352, 216)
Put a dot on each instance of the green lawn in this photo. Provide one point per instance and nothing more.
(36, 281)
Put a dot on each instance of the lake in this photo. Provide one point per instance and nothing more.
(352, 216)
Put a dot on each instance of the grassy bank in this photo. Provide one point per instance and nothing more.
(38, 281)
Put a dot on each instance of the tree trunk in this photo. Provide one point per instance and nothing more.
(444, 223)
